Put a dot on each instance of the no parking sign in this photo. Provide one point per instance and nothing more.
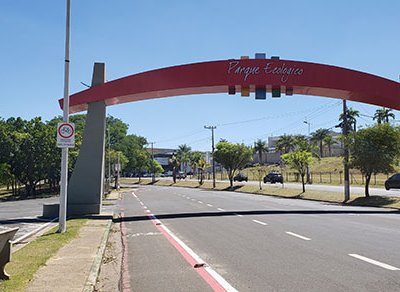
(66, 135)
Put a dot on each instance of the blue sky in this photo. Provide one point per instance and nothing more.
(135, 36)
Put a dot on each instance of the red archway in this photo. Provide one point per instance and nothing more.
(230, 76)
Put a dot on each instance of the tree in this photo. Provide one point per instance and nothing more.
(329, 142)
(195, 157)
(156, 166)
(232, 157)
(259, 172)
(382, 115)
(298, 160)
(260, 147)
(375, 150)
(202, 165)
(318, 137)
(174, 161)
(302, 143)
(351, 116)
(183, 155)
(285, 144)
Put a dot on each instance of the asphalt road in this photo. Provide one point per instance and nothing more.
(257, 243)
(23, 214)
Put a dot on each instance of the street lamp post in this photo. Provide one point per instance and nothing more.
(212, 128)
(62, 217)
(346, 172)
(153, 176)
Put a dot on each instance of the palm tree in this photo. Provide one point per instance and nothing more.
(175, 165)
(301, 143)
(329, 142)
(285, 144)
(195, 157)
(318, 137)
(260, 146)
(382, 115)
(183, 155)
(351, 116)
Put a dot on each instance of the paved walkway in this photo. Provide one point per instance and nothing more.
(76, 265)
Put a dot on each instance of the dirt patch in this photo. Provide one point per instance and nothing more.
(110, 271)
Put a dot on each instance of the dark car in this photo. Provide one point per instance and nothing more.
(273, 177)
(393, 182)
(240, 177)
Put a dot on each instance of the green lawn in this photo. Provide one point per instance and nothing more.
(26, 261)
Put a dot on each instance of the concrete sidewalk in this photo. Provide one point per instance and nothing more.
(75, 267)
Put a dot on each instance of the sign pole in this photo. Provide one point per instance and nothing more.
(62, 227)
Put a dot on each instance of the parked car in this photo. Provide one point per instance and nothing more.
(180, 175)
(273, 177)
(393, 182)
(240, 177)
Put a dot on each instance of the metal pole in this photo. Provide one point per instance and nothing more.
(62, 218)
(346, 154)
(212, 151)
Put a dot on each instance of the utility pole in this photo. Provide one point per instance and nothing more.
(309, 125)
(212, 151)
(153, 176)
(345, 132)
(62, 217)
(118, 167)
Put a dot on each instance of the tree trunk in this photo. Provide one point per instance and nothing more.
(302, 181)
(367, 180)
(231, 181)
(260, 157)
(321, 149)
(174, 174)
(259, 183)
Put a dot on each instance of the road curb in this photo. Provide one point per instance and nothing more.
(95, 270)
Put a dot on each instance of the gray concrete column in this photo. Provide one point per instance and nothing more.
(85, 187)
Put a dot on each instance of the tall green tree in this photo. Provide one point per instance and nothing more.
(195, 157)
(351, 118)
(329, 142)
(183, 155)
(299, 160)
(174, 161)
(318, 137)
(260, 147)
(285, 144)
(382, 115)
(375, 150)
(232, 157)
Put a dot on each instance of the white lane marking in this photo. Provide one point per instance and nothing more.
(145, 207)
(220, 209)
(148, 211)
(193, 199)
(297, 235)
(198, 259)
(209, 205)
(371, 261)
(200, 202)
(141, 203)
(259, 222)
(239, 215)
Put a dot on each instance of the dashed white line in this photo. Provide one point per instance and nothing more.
(374, 262)
(220, 209)
(297, 235)
(239, 215)
(200, 202)
(260, 222)
(209, 205)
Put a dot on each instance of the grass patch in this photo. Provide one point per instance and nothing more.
(268, 190)
(26, 261)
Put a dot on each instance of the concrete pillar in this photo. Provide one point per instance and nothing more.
(85, 187)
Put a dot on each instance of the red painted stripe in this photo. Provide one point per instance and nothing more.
(201, 271)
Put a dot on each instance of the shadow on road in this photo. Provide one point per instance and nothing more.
(255, 212)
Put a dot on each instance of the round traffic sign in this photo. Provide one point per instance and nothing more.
(65, 131)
